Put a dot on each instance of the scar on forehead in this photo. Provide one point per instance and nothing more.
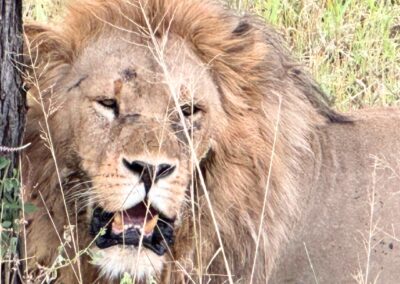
(184, 92)
(78, 83)
(128, 74)
(117, 87)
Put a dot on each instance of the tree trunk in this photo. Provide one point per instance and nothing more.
(12, 121)
(12, 96)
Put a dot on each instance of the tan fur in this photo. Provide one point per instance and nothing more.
(349, 202)
(252, 90)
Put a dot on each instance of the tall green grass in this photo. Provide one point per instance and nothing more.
(43, 11)
(352, 47)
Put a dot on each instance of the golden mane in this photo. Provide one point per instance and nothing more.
(271, 104)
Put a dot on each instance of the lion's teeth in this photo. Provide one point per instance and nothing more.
(127, 226)
(118, 218)
(119, 225)
(149, 227)
(117, 222)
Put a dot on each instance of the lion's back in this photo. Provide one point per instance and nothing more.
(350, 205)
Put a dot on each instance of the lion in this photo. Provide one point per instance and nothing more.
(175, 141)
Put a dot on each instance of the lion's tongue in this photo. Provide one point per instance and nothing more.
(135, 218)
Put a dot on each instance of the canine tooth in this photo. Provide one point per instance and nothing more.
(118, 218)
(149, 227)
(117, 222)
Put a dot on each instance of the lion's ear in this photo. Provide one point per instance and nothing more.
(44, 48)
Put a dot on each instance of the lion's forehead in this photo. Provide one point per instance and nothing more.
(131, 70)
(110, 57)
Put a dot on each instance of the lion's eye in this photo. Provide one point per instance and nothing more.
(108, 103)
(189, 110)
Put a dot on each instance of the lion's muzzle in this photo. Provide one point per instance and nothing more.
(133, 226)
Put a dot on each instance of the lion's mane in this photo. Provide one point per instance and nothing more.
(271, 104)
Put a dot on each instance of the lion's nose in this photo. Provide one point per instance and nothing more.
(149, 173)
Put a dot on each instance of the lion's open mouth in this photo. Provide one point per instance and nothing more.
(128, 227)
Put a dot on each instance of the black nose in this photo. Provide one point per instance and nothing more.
(149, 173)
(164, 170)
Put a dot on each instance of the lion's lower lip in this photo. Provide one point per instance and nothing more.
(158, 241)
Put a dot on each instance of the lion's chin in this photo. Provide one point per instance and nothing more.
(114, 261)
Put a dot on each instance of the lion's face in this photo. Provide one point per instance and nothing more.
(130, 111)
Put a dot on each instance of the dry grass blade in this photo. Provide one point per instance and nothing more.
(311, 264)
(267, 186)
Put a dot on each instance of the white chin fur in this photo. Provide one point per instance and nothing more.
(114, 261)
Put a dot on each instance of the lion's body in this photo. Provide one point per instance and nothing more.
(262, 129)
(355, 166)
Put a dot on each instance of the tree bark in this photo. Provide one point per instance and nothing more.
(12, 121)
(12, 95)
